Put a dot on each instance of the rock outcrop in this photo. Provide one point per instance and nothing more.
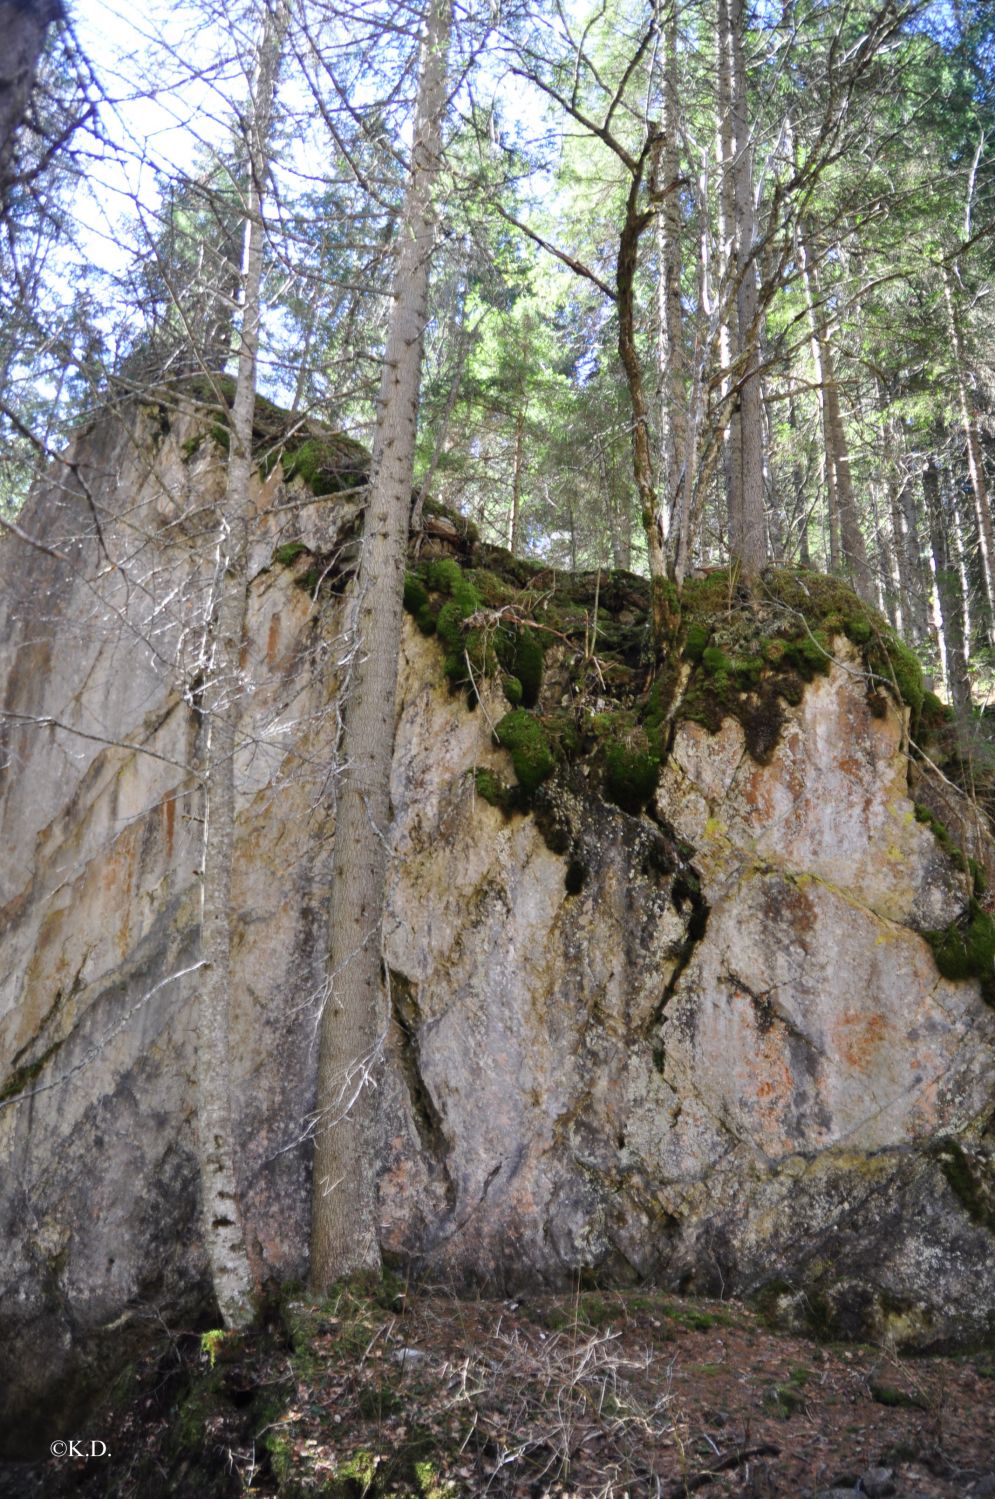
(706, 1045)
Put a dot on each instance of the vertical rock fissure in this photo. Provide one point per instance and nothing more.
(428, 1123)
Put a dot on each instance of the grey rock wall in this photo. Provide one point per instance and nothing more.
(735, 1070)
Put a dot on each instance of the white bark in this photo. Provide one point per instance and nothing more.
(221, 708)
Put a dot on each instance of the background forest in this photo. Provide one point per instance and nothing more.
(708, 278)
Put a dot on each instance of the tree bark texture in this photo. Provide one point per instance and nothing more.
(847, 552)
(23, 26)
(642, 456)
(221, 709)
(344, 1222)
(948, 590)
(975, 457)
(740, 351)
(675, 466)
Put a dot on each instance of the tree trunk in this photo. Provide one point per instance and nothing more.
(673, 385)
(975, 457)
(848, 554)
(516, 482)
(948, 591)
(23, 27)
(221, 709)
(747, 537)
(642, 460)
(344, 1225)
(726, 269)
(740, 343)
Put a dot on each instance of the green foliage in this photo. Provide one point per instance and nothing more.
(523, 736)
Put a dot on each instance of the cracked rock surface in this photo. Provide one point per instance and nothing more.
(723, 1060)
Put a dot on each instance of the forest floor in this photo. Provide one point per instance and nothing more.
(606, 1394)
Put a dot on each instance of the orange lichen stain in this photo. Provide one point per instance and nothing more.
(861, 1036)
(757, 795)
(169, 812)
(273, 639)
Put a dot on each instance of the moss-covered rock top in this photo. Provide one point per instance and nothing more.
(328, 462)
(615, 700)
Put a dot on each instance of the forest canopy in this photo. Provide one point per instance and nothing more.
(710, 280)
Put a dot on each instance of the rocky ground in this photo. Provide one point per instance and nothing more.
(597, 1394)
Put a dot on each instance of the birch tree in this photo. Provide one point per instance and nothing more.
(220, 712)
(344, 1224)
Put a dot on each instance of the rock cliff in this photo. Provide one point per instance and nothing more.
(692, 1033)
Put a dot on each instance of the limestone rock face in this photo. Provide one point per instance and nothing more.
(707, 1047)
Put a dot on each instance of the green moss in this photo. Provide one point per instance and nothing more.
(512, 689)
(328, 462)
(415, 594)
(495, 790)
(519, 651)
(966, 949)
(809, 654)
(444, 575)
(289, 552)
(523, 736)
(715, 661)
(899, 665)
(528, 665)
(890, 1395)
(957, 1167)
(467, 652)
(21, 1077)
(631, 775)
(696, 640)
(942, 835)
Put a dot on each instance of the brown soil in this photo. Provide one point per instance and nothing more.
(603, 1394)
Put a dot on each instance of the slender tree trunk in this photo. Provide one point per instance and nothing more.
(919, 595)
(673, 382)
(848, 554)
(516, 482)
(23, 26)
(905, 535)
(739, 341)
(344, 1224)
(948, 591)
(729, 341)
(975, 457)
(642, 459)
(221, 708)
(747, 537)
